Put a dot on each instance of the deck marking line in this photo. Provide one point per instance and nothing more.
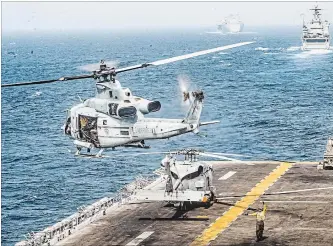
(314, 202)
(297, 191)
(140, 238)
(227, 175)
(232, 214)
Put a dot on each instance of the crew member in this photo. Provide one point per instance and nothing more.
(260, 215)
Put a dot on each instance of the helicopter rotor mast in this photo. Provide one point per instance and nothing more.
(107, 71)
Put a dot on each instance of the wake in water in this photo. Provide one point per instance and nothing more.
(310, 53)
(36, 94)
(269, 51)
(294, 48)
(300, 53)
(230, 33)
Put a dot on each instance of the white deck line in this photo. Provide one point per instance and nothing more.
(297, 191)
(140, 238)
(314, 202)
(227, 175)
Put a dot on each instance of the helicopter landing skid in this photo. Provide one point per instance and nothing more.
(88, 156)
(140, 145)
(98, 155)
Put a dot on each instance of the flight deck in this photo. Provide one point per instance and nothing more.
(299, 198)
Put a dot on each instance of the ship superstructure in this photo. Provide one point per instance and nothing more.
(231, 24)
(316, 32)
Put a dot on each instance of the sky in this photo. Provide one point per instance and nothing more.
(34, 16)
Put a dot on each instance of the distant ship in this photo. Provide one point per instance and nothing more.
(231, 24)
(316, 33)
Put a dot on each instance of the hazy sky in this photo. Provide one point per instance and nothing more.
(136, 15)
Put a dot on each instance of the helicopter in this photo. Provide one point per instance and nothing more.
(115, 117)
(185, 182)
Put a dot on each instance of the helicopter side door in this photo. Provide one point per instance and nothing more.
(87, 126)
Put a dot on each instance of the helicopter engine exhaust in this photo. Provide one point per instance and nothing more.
(146, 106)
(121, 111)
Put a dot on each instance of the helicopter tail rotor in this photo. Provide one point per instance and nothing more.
(195, 109)
(184, 86)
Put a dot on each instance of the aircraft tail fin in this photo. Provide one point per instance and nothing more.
(194, 112)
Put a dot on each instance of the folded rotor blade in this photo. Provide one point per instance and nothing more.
(219, 157)
(227, 154)
(150, 153)
(49, 81)
(225, 158)
(182, 57)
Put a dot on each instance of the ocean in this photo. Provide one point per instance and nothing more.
(272, 99)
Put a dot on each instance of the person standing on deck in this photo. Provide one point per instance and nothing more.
(260, 215)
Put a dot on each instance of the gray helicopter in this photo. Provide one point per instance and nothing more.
(184, 182)
(115, 117)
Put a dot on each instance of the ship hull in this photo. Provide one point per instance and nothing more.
(315, 44)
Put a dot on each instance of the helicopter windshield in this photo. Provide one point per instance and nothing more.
(175, 176)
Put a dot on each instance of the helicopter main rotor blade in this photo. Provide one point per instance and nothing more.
(199, 53)
(182, 57)
(113, 72)
(49, 81)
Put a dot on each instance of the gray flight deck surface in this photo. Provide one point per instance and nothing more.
(304, 218)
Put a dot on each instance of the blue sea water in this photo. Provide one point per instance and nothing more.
(272, 99)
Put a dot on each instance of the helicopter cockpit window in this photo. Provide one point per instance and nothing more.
(200, 170)
(113, 108)
(175, 176)
(68, 126)
(100, 88)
